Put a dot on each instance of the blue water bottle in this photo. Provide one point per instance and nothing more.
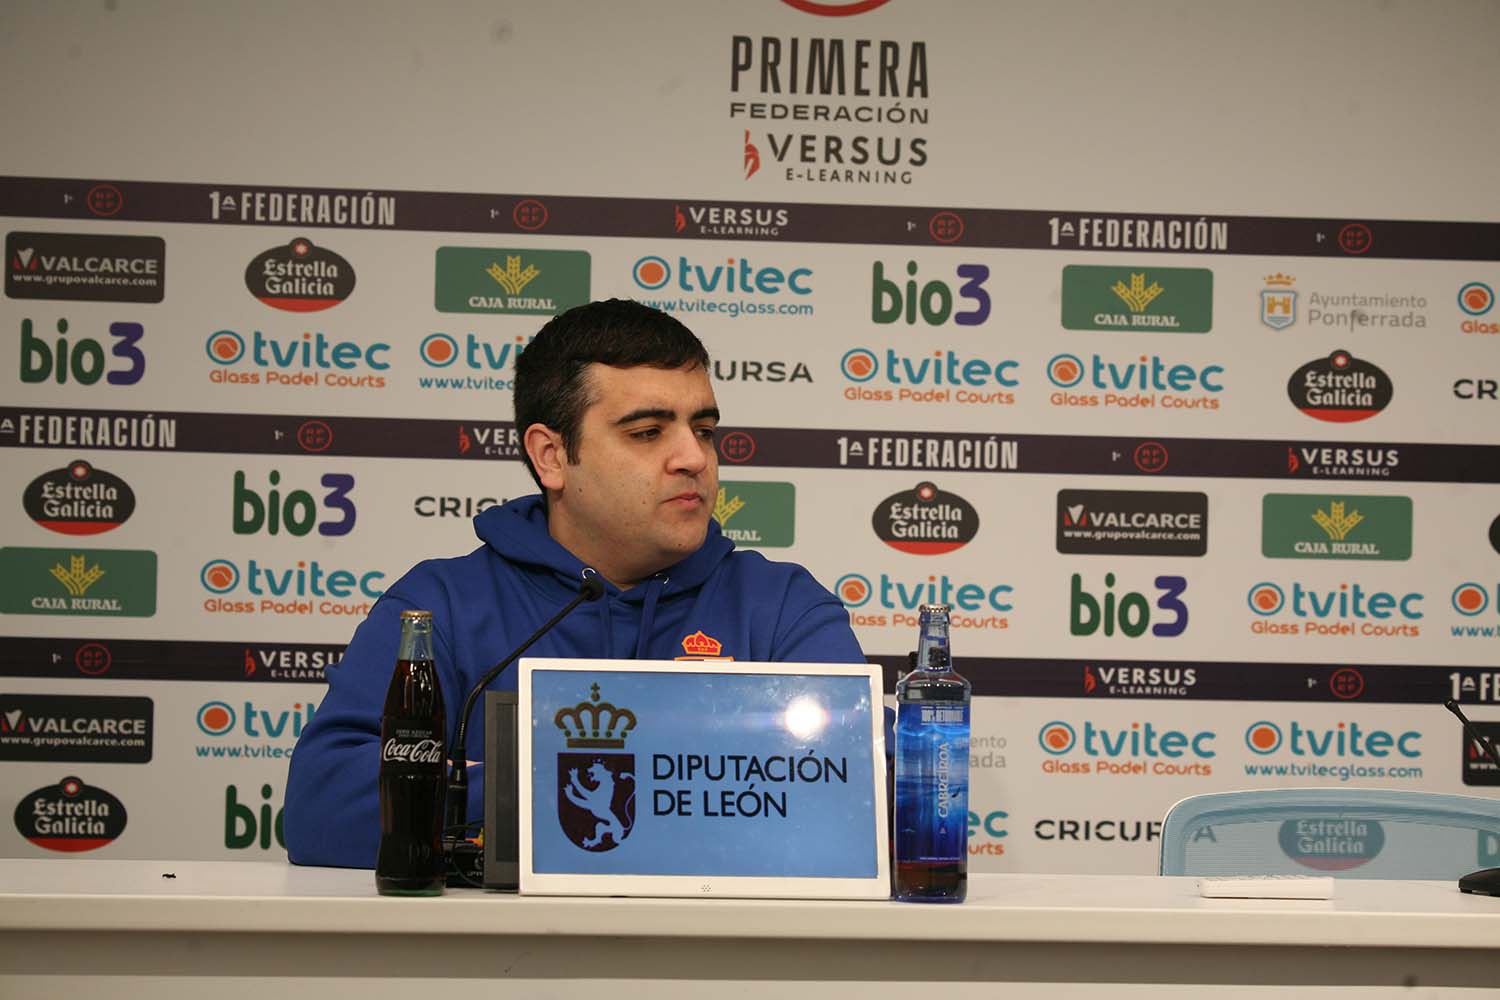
(932, 770)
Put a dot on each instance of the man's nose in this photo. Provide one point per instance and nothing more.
(689, 452)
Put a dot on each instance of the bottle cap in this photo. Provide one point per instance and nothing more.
(416, 616)
(935, 609)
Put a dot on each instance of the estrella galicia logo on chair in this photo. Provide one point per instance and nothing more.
(596, 783)
(300, 277)
(1340, 388)
(70, 817)
(1334, 844)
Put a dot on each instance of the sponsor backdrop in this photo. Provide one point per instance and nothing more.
(1184, 395)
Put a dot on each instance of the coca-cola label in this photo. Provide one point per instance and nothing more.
(401, 749)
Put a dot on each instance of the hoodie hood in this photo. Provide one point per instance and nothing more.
(518, 531)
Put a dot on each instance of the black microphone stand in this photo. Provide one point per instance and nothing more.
(456, 806)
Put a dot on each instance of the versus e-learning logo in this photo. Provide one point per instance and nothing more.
(975, 605)
(1145, 383)
(1137, 748)
(305, 589)
(941, 377)
(312, 359)
(1347, 609)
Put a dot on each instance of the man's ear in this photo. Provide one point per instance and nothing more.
(544, 446)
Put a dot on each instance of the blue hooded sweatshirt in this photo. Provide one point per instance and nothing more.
(487, 603)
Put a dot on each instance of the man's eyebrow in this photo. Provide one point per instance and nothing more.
(662, 413)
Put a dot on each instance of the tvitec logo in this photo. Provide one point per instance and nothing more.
(1345, 610)
(945, 377)
(302, 590)
(295, 510)
(1129, 613)
(274, 729)
(1134, 749)
(82, 360)
(1472, 600)
(1145, 383)
(491, 362)
(979, 606)
(693, 282)
(310, 360)
(932, 300)
(1343, 739)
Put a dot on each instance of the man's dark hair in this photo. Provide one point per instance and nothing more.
(551, 384)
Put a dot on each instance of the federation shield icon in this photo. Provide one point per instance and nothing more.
(1278, 307)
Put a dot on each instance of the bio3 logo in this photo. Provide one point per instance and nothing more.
(82, 359)
(294, 511)
(1129, 613)
(1344, 739)
(933, 301)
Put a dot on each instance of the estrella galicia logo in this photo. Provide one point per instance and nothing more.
(1333, 844)
(300, 277)
(79, 500)
(1340, 388)
(925, 521)
(70, 816)
(596, 787)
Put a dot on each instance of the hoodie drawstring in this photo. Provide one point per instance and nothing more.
(648, 614)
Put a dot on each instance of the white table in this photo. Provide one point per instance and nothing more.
(221, 929)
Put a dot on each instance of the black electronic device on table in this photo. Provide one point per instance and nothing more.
(1486, 881)
(502, 793)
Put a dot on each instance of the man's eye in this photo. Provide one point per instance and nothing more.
(646, 434)
(708, 433)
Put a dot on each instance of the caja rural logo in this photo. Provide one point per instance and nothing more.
(975, 605)
(925, 521)
(300, 277)
(1340, 388)
(596, 784)
(79, 500)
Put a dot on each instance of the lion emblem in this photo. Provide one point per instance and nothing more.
(609, 807)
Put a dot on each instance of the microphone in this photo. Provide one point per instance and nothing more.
(1486, 881)
(457, 805)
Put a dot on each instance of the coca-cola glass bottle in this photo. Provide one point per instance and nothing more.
(413, 732)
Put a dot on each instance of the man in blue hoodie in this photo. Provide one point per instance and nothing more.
(618, 419)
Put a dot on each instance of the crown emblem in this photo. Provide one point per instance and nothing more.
(591, 735)
(699, 644)
(1280, 280)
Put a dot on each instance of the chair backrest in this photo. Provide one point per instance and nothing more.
(1343, 832)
